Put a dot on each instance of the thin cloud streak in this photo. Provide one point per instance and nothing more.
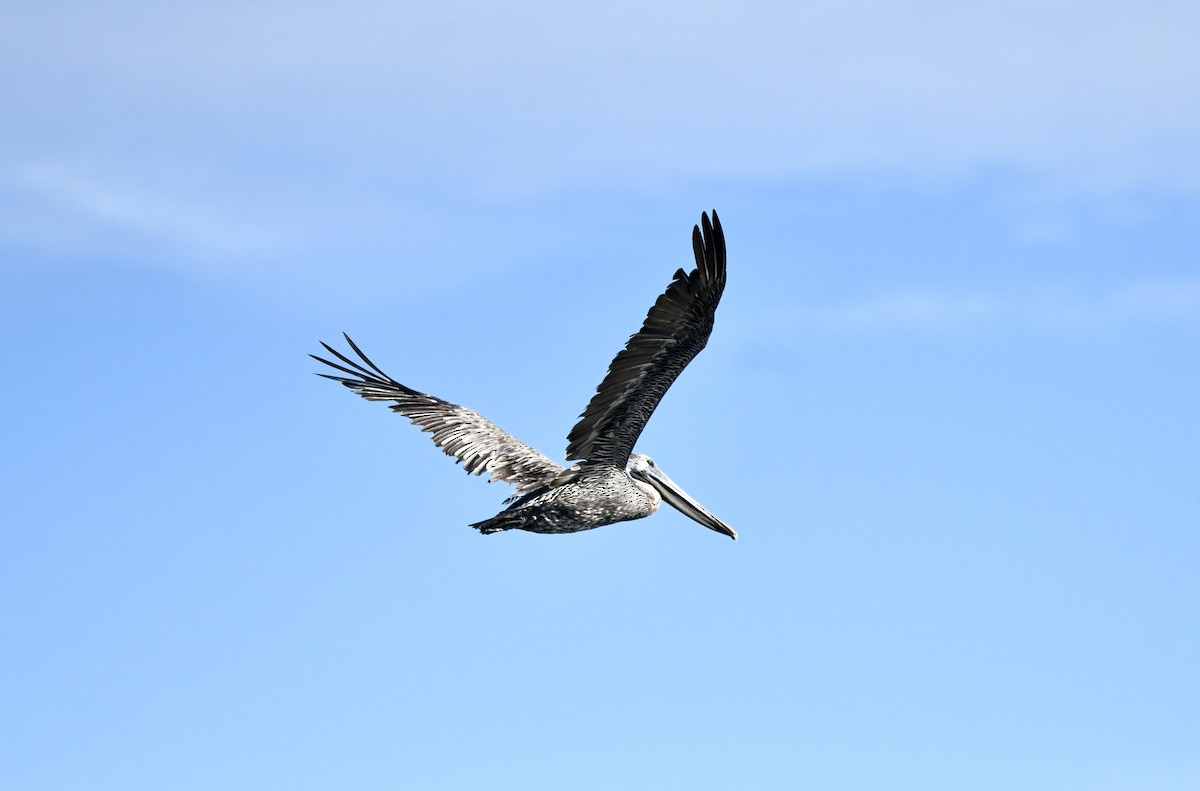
(1150, 303)
(139, 215)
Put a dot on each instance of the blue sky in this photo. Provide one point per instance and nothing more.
(949, 404)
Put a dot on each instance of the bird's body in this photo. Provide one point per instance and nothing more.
(611, 483)
(589, 497)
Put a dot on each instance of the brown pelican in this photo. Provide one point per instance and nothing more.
(610, 483)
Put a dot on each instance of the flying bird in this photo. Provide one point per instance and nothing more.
(608, 482)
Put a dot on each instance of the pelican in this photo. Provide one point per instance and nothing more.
(609, 482)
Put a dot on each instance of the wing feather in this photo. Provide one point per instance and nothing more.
(676, 329)
(480, 445)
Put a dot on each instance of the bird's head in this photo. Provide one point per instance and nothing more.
(642, 468)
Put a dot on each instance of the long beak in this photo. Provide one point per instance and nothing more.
(680, 500)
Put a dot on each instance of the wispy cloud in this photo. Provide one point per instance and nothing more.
(87, 207)
(1175, 303)
(312, 238)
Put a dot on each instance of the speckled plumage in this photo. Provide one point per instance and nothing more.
(611, 483)
(592, 496)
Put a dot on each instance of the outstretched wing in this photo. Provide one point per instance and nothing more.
(472, 439)
(675, 331)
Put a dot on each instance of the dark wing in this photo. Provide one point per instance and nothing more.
(675, 331)
(471, 438)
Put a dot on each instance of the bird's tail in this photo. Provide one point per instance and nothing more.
(499, 523)
(545, 518)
